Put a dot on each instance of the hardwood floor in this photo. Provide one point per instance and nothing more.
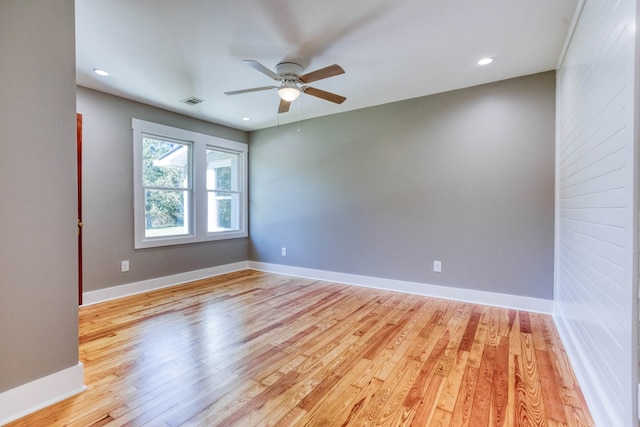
(258, 349)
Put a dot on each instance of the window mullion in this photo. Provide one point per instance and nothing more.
(199, 188)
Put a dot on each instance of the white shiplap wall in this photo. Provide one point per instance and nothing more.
(596, 214)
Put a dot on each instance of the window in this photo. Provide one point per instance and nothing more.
(188, 187)
(223, 192)
(166, 182)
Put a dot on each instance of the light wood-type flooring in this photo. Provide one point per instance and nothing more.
(257, 349)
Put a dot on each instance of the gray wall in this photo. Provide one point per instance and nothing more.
(108, 196)
(465, 177)
(38, 252)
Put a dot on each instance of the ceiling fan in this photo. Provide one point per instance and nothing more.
(291, 77)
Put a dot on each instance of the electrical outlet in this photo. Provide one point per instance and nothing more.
(124, 266)
(283, 251)
(437, 266)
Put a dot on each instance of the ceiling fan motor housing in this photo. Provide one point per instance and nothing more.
(289, 70)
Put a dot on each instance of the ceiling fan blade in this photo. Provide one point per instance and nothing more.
(284, 106)
(328, 96)
(264, 70)
(254, 89)
(322, 73)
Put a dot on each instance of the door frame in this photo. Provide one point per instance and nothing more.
(79, 188)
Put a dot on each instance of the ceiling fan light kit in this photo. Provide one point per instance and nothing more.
(290, 75)
(289, 91)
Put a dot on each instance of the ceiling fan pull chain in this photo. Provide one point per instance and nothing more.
(299, 102)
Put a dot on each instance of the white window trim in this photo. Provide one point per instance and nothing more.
(198, 207)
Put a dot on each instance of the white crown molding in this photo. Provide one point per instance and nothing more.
(570, 33)
(30, 397)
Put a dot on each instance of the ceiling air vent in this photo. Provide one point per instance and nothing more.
(192, 100)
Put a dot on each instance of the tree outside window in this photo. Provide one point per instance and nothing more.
(165, 179)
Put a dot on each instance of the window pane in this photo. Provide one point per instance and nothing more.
(223, 212)
(222, 170)
(166, 213)
(164, 164)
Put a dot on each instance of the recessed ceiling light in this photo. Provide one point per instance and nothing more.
(246, 119)
(485, 61)
(101, 72)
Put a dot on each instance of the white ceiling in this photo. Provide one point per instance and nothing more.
(160, 52)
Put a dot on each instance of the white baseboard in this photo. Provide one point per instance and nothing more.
(101, 295)
(537, 305)
(599, 405)
(40, 393)
(459, 294)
